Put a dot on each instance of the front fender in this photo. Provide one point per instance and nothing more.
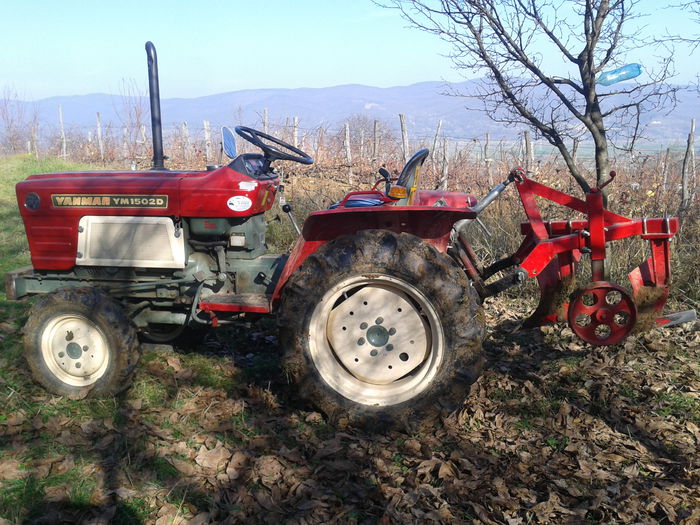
(432, 224)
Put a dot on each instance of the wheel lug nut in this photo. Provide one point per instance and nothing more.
(392, 331)
(389, 348)
(361, 341)
(379, 320)
(363, 326)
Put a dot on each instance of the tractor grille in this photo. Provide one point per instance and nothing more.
(144, 242)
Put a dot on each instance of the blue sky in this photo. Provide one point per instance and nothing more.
(73, 47)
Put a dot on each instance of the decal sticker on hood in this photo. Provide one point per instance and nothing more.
(239, 203)
(247, 185)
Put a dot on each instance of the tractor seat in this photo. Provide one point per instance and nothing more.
(357, 203)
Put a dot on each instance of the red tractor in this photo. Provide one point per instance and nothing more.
(379, 301)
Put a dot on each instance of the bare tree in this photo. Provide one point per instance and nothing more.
(691, 7)
(690, 41)
(16, 122)
(522, 46)
(131, 109)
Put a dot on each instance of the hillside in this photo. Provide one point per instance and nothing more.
(424, 104)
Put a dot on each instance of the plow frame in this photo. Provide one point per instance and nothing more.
(551, 251)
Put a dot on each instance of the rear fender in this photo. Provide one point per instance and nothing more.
(432, 224)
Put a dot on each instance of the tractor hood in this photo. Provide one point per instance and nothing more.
(53, 204)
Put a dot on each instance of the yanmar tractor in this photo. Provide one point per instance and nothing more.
(379, 301)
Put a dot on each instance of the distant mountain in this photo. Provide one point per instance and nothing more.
(424, 104)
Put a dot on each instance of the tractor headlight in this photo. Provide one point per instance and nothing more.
(32, 201)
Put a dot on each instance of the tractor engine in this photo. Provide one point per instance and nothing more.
(158, 240)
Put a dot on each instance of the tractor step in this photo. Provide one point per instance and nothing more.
(13, 278)
(229, 302)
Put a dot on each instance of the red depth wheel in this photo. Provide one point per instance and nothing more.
(602, 314)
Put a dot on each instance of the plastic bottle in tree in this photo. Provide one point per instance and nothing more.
(608, 78)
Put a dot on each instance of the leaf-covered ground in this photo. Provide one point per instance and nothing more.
(553, 432)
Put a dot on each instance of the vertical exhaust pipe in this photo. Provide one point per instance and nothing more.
(154, 94)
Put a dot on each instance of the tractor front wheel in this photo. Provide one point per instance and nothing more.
(78, 342)
(381, 327)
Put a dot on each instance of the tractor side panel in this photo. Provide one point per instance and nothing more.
(52, 207)
(433, 225)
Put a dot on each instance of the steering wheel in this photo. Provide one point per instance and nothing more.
(277, 150)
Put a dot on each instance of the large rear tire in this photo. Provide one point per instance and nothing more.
(78, 342)
(379, 327)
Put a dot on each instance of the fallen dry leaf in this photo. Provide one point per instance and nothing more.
(184, 467)
(174, 362)
(9, 469)
(268, 470)
(214, 459)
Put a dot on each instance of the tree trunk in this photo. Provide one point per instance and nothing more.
(687, 170)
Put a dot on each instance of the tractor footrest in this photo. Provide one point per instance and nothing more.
(228, 302)
(14, 288)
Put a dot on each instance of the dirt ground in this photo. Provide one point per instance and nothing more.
(555, 431)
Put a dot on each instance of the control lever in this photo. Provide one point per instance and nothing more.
(287, 208)
(613, 174)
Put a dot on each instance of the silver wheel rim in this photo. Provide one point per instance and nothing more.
(376, 340)
(75, 350)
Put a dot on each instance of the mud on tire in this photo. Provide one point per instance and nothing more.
(381, 328)
(78, 342)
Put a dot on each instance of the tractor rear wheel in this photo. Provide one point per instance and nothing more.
(380, 327)
(78, 342)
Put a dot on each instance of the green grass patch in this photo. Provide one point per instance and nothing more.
(17, 495)
(25, 499)
(135, 510)
(679, 405)
(539, 408)
(629, 392)
(211, 372)
(557, 443)
(500, 395)
(152, 392)
(524, 424)
(44, 445)
(163, 470)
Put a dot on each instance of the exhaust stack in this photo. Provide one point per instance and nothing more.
(154, 94)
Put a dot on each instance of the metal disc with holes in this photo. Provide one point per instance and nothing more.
(376, 340)
(602, 314)
(378, 334)
(75, 350)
